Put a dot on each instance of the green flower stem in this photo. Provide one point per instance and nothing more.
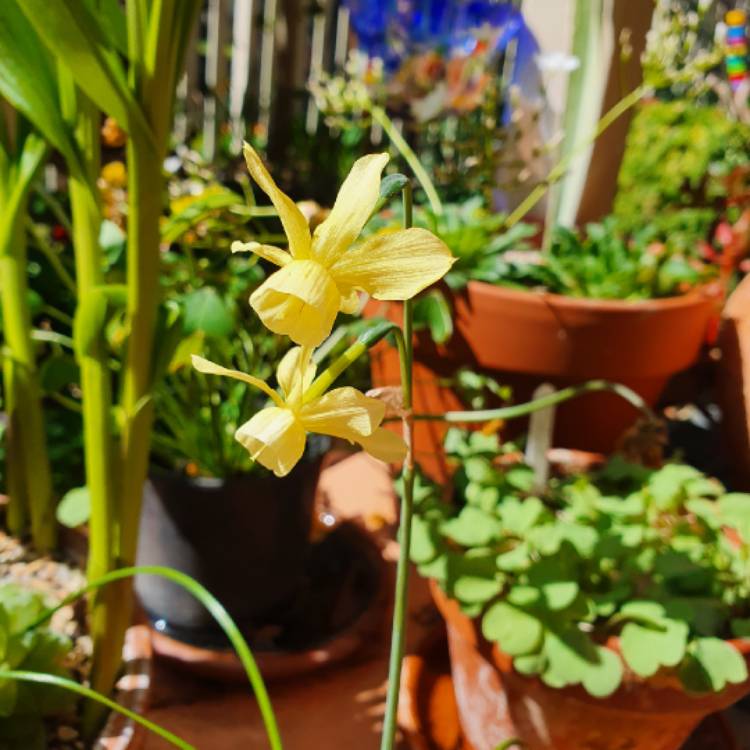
(558, 397)
(401, 594)
(364, 341)
(380, 116)
(42, 678)
(216, 609)
(559, 170)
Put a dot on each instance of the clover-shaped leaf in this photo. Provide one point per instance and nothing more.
(517, 632)
(712, 664)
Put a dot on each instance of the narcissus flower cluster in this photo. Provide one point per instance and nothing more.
(320, 275)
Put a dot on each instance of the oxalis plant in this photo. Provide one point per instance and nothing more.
(320, 275)
(659, 557)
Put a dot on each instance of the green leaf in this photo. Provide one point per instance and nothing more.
(646, 649)
(518, 516)
(21, 607)
(425, 541)
(479, 469)
(475, 589)
(517, 632)
(571, 654)
(515, 560)
(76, 38)
(433, 311)
(520, 478)
(605, 676)
(57, 372)
(472, 528)
(668, 486)
(31, 89)
(713, 664)
(75, 507)
(206, 311)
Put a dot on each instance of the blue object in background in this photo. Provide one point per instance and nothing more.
(396, 29)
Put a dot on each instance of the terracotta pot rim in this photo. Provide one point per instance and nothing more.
(694, 297)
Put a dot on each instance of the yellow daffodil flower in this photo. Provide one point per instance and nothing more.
(276, 436)
(321, 273)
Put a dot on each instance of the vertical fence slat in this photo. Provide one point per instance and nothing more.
(242, 51)
(317, 52)
(267, 47)
(216, 73)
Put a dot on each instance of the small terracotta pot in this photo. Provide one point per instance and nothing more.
(733, 375)
(132, 692)
(525, 338)
(495, 702)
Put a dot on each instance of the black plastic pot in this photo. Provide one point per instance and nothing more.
(246, 539)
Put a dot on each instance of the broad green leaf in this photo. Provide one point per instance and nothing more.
(524, 596)
(30, 88)
(604, 677)
(75, 507)
(472, 528)
(79, 40)
(516, 632)
(206, 311)
(712, 665)
(646, 649)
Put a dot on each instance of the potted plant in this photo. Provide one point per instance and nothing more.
(603, 608)
(594, 304)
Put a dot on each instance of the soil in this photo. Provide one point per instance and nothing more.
(54, 579)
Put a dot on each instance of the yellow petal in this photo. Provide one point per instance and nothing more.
(394, 266)
(293, 220)
(295, 372)
(354, 204)
(268, 252)
(299, 300)
(273, 438)
(211, 368)
(344, 412)
(384, 445)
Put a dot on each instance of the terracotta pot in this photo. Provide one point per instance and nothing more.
(733, 374)
(245, 539)
(524, 338)
(495, 701)
(132, 692)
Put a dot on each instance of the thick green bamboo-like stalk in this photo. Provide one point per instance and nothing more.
(96, 385)
(144, 210)
(30, 480)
